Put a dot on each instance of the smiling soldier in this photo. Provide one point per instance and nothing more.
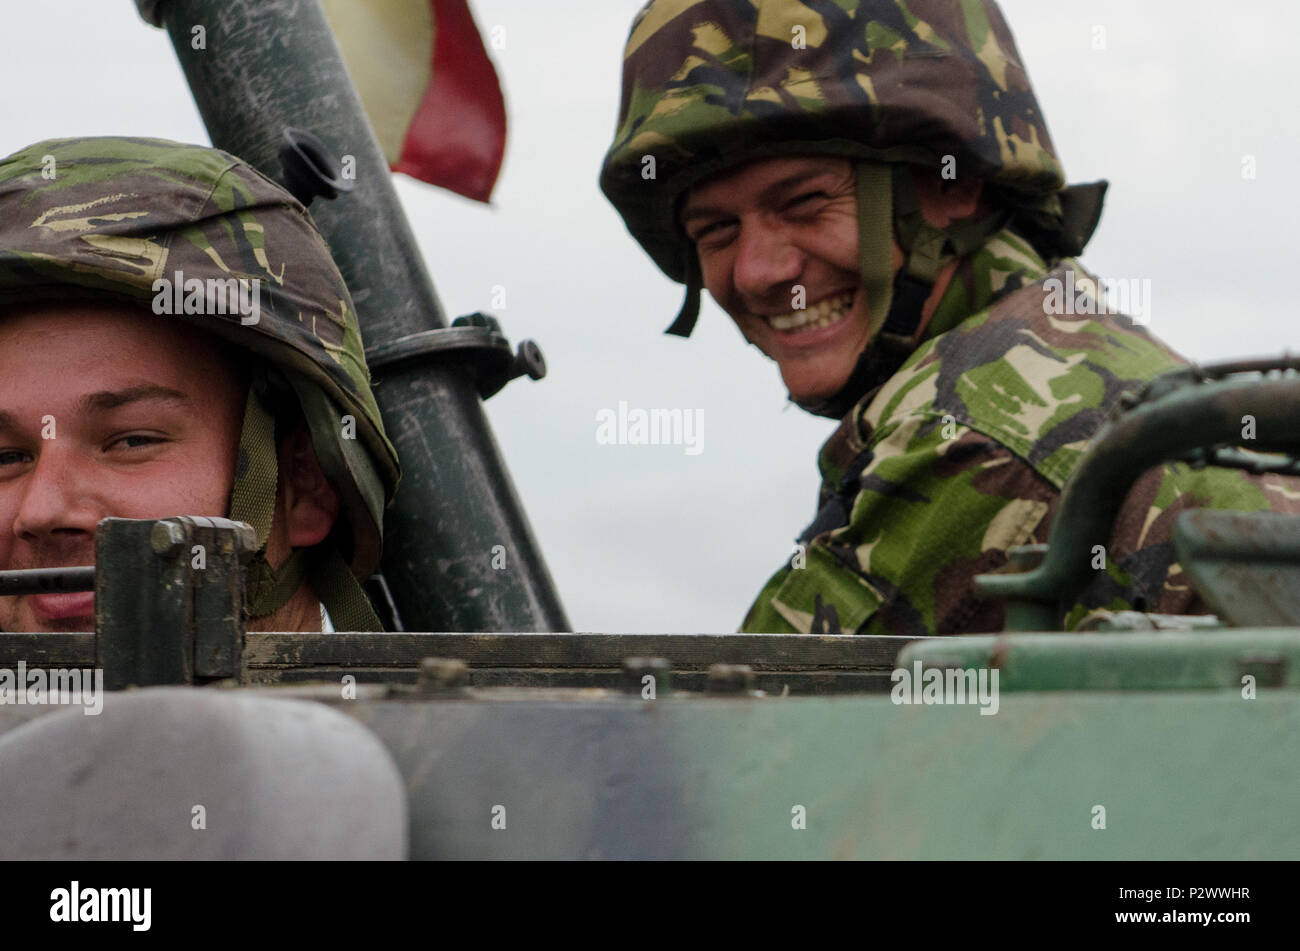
(109, 410)
(870, 192)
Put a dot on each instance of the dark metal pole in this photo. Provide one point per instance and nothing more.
(46, 580)
(262, 66)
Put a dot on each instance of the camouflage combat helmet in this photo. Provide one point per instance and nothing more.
(712, 84)
(137, 220)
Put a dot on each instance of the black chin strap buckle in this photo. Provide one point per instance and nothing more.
(904, 317)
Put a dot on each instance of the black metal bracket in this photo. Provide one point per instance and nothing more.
(474, 342)
(169, 600)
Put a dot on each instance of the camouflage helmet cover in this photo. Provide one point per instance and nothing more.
(107, 217)
(710, 84)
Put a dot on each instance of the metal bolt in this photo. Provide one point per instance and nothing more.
(636, 669)
(528, 361)
(166, 537)
(1267, 667)
(478, 319)
(442, 673)
(730, 678)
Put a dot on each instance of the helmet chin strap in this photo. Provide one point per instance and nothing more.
(252, 500)
(888, 204)
(686, 318)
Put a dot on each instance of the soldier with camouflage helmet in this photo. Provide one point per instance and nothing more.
(870, 192)
(175, 339)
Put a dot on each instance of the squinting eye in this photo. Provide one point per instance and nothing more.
(9, 457)
(137, 441)
(713, 229)
(806, 198)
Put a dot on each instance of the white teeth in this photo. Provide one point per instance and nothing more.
(821, 314)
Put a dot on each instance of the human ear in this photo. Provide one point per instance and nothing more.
(310, 503)
(944, 201)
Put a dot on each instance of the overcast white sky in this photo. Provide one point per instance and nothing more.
(648, 538)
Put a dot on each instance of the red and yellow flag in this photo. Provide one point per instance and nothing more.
(429, 88)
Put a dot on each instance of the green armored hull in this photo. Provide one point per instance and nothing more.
(1144, 747)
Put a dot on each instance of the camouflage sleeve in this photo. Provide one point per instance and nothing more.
(939, 504)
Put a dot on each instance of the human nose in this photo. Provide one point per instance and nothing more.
(56, 497)
(766, 262)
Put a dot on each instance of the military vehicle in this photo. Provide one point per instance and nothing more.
(478, 728)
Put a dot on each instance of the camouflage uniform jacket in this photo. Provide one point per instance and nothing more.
(962, 454)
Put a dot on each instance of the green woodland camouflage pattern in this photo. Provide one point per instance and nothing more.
(970, 444)
(710, 83)
(106, 217)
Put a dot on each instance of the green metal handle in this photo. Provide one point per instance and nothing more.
(1181, 422)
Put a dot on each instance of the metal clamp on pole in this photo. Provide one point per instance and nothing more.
(475, 343)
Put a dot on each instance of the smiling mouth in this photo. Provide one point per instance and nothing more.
(830, 310)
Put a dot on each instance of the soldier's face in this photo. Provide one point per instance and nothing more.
(103, 412)
(778, 248)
